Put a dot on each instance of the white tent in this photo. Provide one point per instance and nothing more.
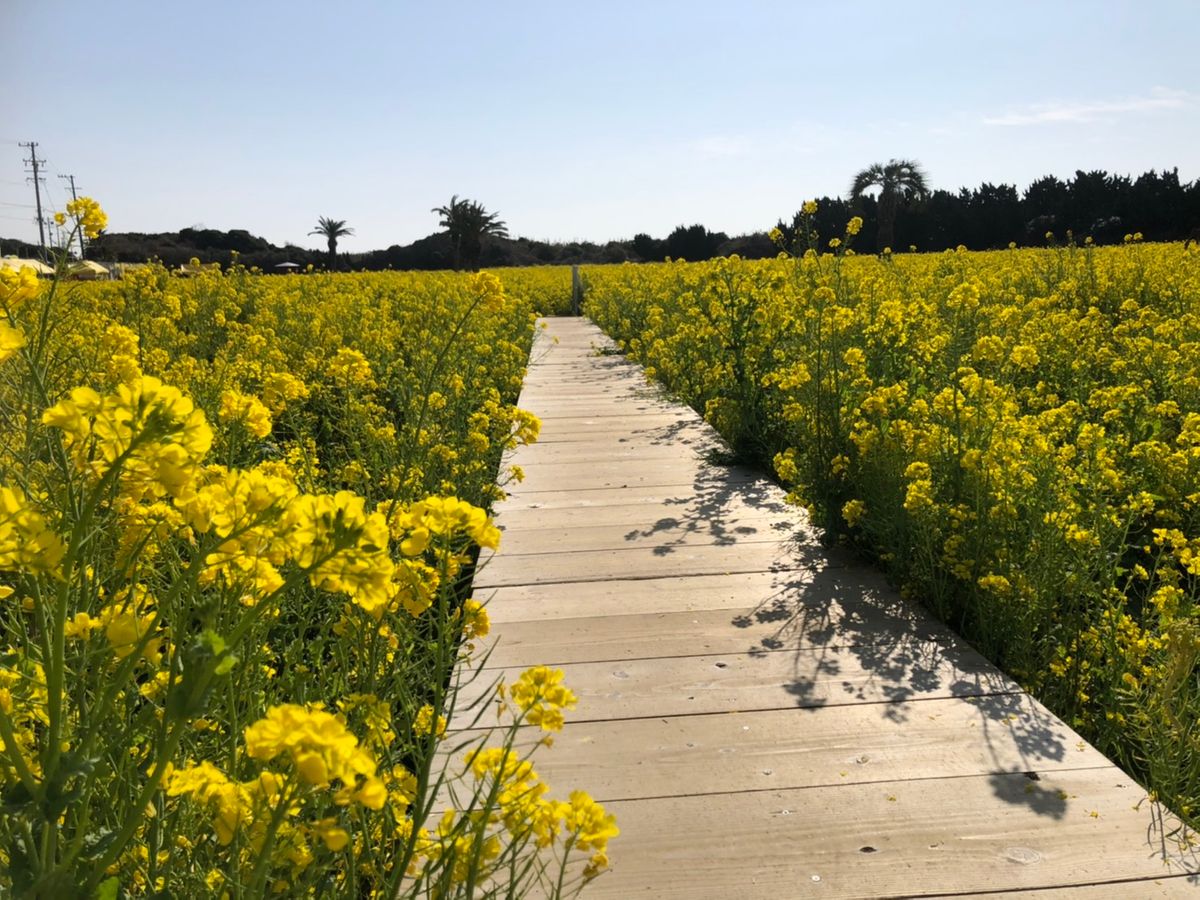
(16, 262)
(87, 270)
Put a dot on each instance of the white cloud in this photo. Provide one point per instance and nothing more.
(1159, 98)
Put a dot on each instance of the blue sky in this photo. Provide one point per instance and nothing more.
(573, 121)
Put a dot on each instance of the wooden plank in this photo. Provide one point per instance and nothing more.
(722, 516)
(600, 391)
(782, 679)
(748, 629)
(587, 383)
(629, 415)
(906, 838)
(1139, 889)
(583, 341)
(724, 753)
(613, 448)
(590, 474)
(643, 562)
(670, 434)
(715, 488)
(624, 410)
(585, 375)
(659, 531)
(669, 496)
(819, 594)
(662, 427)
(650, 401)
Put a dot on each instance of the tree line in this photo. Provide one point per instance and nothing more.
(1096, 205)
(902, 214)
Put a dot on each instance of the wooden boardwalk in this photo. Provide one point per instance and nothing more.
(764, 717)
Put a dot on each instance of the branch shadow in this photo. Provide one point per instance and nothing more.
(855, 640)
(727, 505)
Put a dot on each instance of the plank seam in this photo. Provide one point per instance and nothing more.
(759, 571)
(931, 641)
(794, 708)
(647, 545)
(743, 480)
(1056, 886)
(1102, 764)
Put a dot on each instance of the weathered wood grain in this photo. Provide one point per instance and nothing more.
(907, 838)
(778, 679)
(777, 749)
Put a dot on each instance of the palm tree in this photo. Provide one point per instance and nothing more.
(332, 229)
(899, 179)
(467, 223)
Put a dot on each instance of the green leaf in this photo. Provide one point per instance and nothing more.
(109, 889)
(213, 641)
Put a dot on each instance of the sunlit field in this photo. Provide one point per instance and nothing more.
(1014, 436)
(238, 518)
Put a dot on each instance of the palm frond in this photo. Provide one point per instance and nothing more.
(331, 228)
(898, 176)
(872, 176)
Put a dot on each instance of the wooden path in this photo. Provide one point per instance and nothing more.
(765, 718)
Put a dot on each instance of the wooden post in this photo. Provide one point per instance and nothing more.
(576, 292)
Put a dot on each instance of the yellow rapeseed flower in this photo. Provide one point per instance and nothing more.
(92, 219)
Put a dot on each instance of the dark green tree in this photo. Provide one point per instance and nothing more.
(331, 230)
(468, 223)
(898, 180)
(694, 243)
(647, 248)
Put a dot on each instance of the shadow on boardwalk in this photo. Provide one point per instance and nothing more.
(822, 601)
(727, 505)
(849, 607)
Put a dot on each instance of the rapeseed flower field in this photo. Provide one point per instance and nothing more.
(238, 516)
(1014, 436)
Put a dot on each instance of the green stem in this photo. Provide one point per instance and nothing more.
(137, 810)
(28, 780)
(259, 873)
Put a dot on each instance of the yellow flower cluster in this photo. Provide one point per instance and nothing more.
(321, 750)
(27, 543)
(525, 808)
(148, 431)
(249, 410)
(427, 722)
(91, 218)
(540, 696)
(449, 517)
(17, 288)
(489, 289)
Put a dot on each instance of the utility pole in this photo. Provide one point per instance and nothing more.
(75, 196)
(37, 190)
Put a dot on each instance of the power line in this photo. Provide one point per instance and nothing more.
(75, 196)
(37, 189)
